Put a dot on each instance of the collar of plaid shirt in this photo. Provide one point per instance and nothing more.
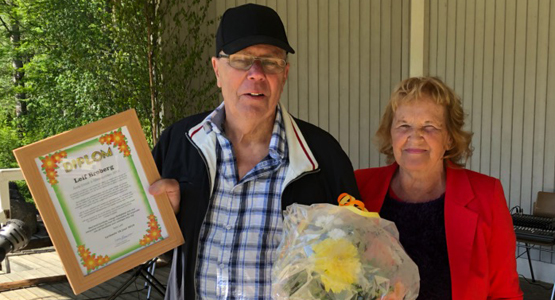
(301, 159)
(277, 150)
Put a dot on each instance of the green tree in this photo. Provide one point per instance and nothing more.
(83, 60)
(186, 83)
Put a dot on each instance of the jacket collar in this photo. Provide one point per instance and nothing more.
(458, 188)
(460, 221)
(301, 158)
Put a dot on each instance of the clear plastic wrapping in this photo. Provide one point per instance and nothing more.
(332, 252)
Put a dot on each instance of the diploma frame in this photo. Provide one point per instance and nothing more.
(26, 157)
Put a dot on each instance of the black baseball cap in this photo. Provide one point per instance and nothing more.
(250, 24)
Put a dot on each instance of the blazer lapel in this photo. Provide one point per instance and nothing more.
(375, 184)
(460, 228)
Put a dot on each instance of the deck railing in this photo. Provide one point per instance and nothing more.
(7, 175)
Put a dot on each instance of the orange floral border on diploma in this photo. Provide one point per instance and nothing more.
(153, 233)
(91, 261)
(118, 139)
(50, 165)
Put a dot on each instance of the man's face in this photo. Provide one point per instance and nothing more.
(251, 94)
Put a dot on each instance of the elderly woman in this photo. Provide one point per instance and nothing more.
(454, 223)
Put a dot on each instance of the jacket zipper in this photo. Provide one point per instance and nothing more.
(205, 213)
(295, 179)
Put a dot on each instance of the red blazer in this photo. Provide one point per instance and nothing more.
(481, 241)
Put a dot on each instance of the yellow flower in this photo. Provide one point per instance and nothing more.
(337, 263)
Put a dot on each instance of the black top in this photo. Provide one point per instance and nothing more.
(422, 233)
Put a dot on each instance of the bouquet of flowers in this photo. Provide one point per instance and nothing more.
(334, 252)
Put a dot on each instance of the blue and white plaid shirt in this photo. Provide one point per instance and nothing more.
(243, 226)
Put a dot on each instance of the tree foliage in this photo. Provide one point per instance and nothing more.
(83, 60)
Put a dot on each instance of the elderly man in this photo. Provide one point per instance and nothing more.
(231, 172)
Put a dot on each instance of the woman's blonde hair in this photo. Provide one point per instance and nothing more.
(413, 89)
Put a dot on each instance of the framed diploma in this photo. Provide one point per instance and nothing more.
(90, 185)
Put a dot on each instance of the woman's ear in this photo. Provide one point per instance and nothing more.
(450, 144)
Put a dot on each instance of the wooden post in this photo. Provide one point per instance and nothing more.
(7, 175)
(419, 26)
(5, 286)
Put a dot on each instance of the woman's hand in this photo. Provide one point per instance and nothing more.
(171, 188)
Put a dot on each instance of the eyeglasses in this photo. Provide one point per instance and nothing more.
(271, 65)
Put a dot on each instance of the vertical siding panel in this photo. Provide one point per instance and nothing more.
(433, 37)
(529, 100)
(273, 4)
(549, 152)
(477, 84)
(220, 9)
(323, 65)
(460, 46)
(334, 68)
(451, 41)
(344, 61)
(405, 46)
(396, 34)
(394, 52)
(518, 106)
(549, 175)
(541, 98)
(211, 14)
(497, 91)
(313, 69)
(365, 71)
(281, 8)
(508, 99)
(303, 55)
(354, 81)
(487, 82)
(375, 109)
(293, 81)
(442, 39)
(385, 57)
(468, 63)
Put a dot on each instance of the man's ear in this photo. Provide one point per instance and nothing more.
(215, 62)
(285, 75)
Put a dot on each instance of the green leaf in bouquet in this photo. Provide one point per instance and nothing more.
(318, 291)
(295, 282)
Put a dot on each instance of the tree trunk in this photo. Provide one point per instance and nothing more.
(150, 13)
(17, 62)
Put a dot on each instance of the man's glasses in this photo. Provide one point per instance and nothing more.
(271, 65)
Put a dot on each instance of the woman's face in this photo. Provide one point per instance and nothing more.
(419, 135)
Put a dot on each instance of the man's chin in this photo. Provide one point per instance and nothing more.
(254, 111)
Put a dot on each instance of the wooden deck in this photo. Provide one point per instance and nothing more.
(45, 264)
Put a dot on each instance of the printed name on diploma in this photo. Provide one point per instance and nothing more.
(92, 174)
